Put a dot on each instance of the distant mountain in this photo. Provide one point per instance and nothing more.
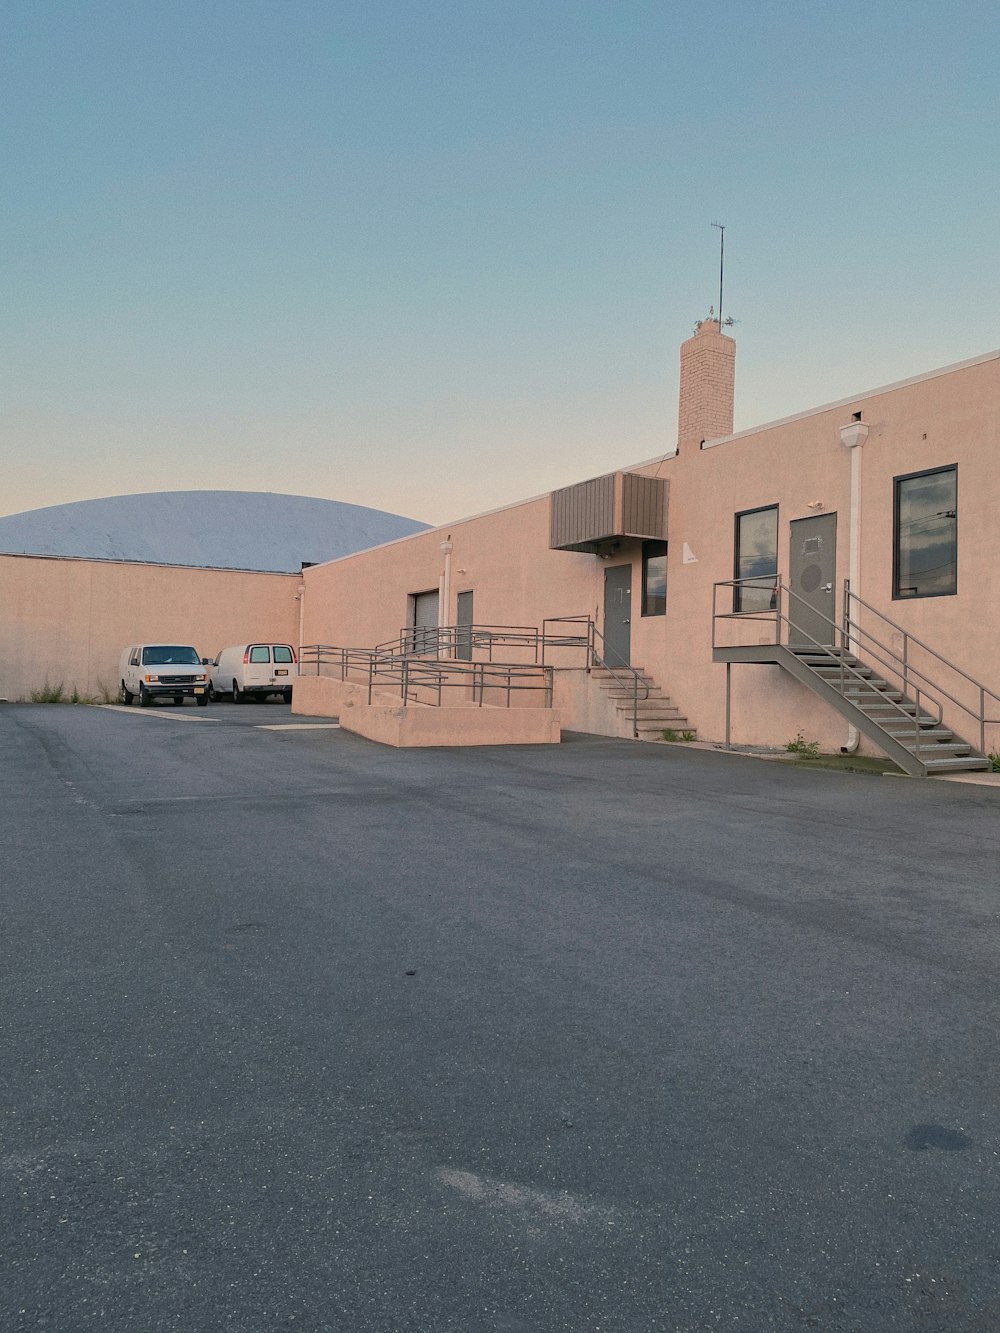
(217, 529)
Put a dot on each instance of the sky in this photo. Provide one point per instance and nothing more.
(435, 257)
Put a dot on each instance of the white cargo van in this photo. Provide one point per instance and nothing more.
(162, 670)
(253, 670)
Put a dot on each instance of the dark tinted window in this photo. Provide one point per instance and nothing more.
(756, 558)
(925, 528)
(654, 578)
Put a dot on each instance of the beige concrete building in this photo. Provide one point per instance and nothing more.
(65, 622)
(833, 574)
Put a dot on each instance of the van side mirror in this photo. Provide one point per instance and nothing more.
(205, 661)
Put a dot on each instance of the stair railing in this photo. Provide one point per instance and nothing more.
(853, 632)
(778, 613)
(627, 678)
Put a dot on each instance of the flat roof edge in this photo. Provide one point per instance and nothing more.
(855, 398)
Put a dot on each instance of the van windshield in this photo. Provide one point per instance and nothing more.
(168, 654)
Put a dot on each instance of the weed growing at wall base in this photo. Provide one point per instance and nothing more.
(808, 749)
(994, 759)
(49, 694)
(56, 694)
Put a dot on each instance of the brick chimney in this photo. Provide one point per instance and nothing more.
(708, 376)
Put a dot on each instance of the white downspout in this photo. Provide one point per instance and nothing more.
(852, 437)
(444, 601)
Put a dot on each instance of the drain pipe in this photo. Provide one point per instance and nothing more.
(852, 437)
(444, 600)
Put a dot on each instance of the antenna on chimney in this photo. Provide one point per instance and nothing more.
(722, 259)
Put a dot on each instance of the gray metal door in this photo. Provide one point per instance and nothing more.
(812, 574)
(463, 630)
(425, 622)
(618, 615)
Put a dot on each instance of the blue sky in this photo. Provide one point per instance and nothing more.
(433, 257)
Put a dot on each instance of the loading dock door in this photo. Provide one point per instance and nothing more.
(425, 622)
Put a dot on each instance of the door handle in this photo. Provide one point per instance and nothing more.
(626, 621)
(827, 587)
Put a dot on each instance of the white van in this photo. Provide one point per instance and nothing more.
(253, 670)
(162, 670)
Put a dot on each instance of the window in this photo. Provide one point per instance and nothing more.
(282, 653)
(925, 534)
(260, 654)
(756, 559)
(654, 578)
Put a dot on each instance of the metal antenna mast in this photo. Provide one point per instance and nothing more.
(722, 260)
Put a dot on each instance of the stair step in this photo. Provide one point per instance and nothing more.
(971, 765)
(647, 705)
(831, 671)
(898, 729)
(942, 749)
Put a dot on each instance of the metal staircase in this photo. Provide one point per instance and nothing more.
(884, 690)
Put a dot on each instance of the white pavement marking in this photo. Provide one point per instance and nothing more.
(297, 726)
(148, 712)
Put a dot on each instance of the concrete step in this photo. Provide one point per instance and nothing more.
(970, 765)
(956, 749)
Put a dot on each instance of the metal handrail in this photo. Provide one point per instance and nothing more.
(413, 674)
(906, 669)
(446, 640)
(386, 659)
(337, 661)
(776, 613)
(631, 683)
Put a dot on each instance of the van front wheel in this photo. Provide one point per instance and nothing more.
(126, 695)
(143, 697)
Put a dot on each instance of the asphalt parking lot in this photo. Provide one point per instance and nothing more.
(301, 1032)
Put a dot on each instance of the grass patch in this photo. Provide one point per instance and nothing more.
(678, 736)
(843, 763)
(994, 759)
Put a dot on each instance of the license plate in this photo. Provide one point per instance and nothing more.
(281, 671)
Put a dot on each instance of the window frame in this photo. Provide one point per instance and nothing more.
(647, 555)
(897, 596)
(738, 588)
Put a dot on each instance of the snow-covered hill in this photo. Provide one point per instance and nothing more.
(221, 529)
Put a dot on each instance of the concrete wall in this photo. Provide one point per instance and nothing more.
(944, 418)
(67, 621)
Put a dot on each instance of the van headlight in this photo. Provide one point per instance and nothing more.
(151, 680)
